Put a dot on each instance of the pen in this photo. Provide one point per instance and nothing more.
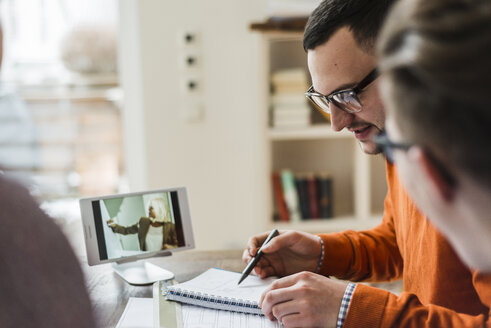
(257, 257)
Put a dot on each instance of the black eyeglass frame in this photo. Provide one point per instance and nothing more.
(387, 147)
(353, 92)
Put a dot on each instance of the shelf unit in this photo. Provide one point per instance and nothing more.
(359, 179)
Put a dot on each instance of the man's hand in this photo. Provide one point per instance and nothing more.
(111, 223)
(304, 299)
(289, 252)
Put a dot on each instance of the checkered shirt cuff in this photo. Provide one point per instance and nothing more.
(343, 310)
(321, 257)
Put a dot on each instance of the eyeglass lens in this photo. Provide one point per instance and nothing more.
(347, 101)
(322, 103)
(344, 100)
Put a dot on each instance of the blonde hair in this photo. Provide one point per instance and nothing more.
(160, 209)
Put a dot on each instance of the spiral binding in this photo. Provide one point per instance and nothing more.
(213, 302)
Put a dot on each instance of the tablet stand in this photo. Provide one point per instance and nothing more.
(141, 272)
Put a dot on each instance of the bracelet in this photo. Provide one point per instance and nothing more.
(321, 257)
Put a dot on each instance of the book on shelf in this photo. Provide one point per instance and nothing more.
(293, 114)
(290, 194)
(218, 289)
(301, 110)
(312, 197)
(288, 81)
(289, 107)
(302, 196)
(290, 77)
(279, 200)
(289, 99)
(289, 88)
(325, 195)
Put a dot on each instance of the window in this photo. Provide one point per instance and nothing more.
(59, 124)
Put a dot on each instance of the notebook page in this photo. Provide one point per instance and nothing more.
(200, 317)
(223, 283)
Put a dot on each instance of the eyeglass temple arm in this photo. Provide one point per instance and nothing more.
(367, 80)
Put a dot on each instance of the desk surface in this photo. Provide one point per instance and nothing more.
(110, 293)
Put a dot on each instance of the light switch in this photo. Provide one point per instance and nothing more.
(193, 111)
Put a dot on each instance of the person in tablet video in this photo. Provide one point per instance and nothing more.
(155, 231)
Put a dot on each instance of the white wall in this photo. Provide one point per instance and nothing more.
(220, 159)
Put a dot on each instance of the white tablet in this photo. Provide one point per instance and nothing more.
(128, 227)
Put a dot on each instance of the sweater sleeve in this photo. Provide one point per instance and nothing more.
(125, 230)
(373, 307)
(370, 255)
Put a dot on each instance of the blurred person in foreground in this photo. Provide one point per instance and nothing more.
(435, 57)
(41, 282)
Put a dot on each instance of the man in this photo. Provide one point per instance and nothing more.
(438, 289)
(445, 74)
(155, 232)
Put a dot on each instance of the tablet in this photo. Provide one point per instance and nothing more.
(129, 227)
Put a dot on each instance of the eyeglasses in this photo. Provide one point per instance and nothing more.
(346, 99)
(387, 146)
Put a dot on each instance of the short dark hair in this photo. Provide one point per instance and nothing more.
(435, 59)
(363, 17)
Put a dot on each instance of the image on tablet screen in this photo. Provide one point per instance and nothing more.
(132, 225)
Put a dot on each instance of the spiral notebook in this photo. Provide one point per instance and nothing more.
(218, 289)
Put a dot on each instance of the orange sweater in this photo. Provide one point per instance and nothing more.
(439, 291)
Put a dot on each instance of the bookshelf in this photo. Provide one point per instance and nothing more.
(359, 185)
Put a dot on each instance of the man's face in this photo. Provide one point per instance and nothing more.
(151, 212)
(340, 64)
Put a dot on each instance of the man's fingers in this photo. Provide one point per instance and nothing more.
(263, 268)
(293, 320)
(283, 310)
(286, 281)
(264, 271)
(245, 256)
(272, 297)
(283, 240)
(256, 242)
(282, 283)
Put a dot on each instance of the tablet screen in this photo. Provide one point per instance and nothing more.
(135, 224)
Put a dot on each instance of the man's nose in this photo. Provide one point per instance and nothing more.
(339, 118)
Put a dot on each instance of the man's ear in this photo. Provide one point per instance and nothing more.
(436, 178)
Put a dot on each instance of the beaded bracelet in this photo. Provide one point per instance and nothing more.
(321, 257)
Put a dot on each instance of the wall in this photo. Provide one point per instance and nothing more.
(220, 158)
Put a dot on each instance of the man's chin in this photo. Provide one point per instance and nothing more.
(369, 147)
